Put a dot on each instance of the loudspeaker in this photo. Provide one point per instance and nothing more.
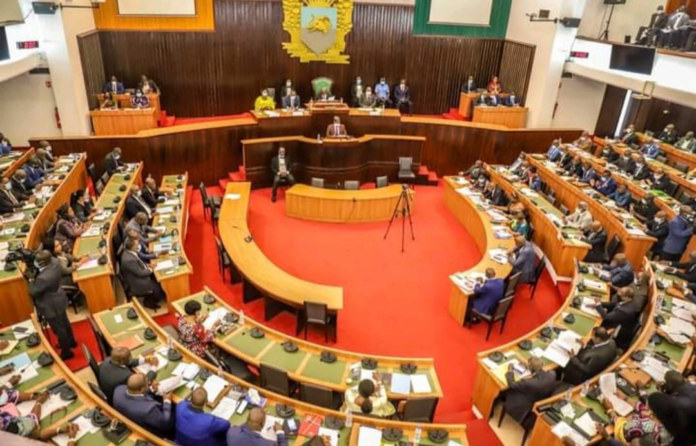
(44, 8)
(614, 2)
(570, 22)
(627, 38)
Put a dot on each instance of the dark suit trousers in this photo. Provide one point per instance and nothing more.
(63, 330)
(405, 107)
(277, 180)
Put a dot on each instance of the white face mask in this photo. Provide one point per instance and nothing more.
(358, 82)
(288, 84)
(659, 220)
(8, 186)
(138, 194)
(117, 157)
(138, 94)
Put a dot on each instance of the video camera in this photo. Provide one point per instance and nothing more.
(25, 256)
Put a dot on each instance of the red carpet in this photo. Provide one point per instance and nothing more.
(395, 304)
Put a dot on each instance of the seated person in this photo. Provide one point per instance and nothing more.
(192, 334)
(609, 154)
(382, 93)
(645, 209)
(629, 136)
(195, 427)
(9, 203)
(687, 143)
(487, 293)
(680, 232)
(626, 163)
(523, 393)
(639, 426)
(482, 99)
(619, 273)
(147, 85)
(264, 102)
(554, 153)
(522, 259)
(514, 206)
(519, 225)
(566, 159)
(20, 189)
(136, 204)
(575, 167)
(138, 277)
(113, 86)
(134, 401)
(115, 370)
(285, 89)
(68, 262)
(595, 236)
(291, 101)
(147, 233)
(144, 252)
(402, 94)
(621, 196)
(469, 86)
(481, 182)
(250, 432)
(368, 100)
(581, 218)
(336, 130)
(622, 315)
(68, 227)
(650, 149)
(494, 100)
(494, 194)
(29, 426)
(369, 389)
(646, 34)
(475, 170)
(108, 102)
(494, 86)
(584, 142)
(673, 405)
(605, 185)
(659, 180)
(534, 180)
(112, 161)
(668, 134)
(684, 270)
(151, 193)
(35, 175)
(591, 359)
(512, 100)
(139, 100)
(83, 205)
(324, 95)
(5, 145)
(281, 166)
(587, 173)
(642, 170)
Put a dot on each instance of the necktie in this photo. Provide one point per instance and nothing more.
(337, 127)
(144, 205)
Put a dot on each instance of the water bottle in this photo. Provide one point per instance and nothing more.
(318, 137)
(349, 418)
(241, 317)
(417, 435)
(659, 302)
(585, 388)
(568, 395)
(169, 342)
(219, 370)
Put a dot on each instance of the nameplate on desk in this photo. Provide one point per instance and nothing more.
(375, 113)
(297, 113)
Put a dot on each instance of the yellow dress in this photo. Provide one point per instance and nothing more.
(262, 103)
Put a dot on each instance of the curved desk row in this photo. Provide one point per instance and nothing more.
(490, 378)
(173, 270)
(336, 160)
(261, 278)
(561, 244)
(96, 281)
(305, 365)
(52, 378)
(635, 243)
(344, 206)
(14, 293)
(115, 331)
(13, 161)
(478, 223)
(670, 354)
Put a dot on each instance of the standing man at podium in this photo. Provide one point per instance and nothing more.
(113, 86)
(281, 166)
(147, 85)
(336, 130)
(469, 86)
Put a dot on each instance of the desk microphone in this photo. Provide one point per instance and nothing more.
(248, 238)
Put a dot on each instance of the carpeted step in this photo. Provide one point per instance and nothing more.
(433, 180)
(423, 170)
(223, 183)
(464, 417)
(236, 176)
(169, 121)
(450, 117)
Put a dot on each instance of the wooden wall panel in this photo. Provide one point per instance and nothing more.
(107, 17)
(611, 110)
(219, 73)
(516, 67)
(89, 45)
(663, 112)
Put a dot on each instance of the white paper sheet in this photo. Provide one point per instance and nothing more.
(161, 363)
(400, 383)
(587, 424)
(214, 385)
(84, 427)
(420, 384)
(167, 264)
(170, 385)
(214, 316)
(233, 196)
(369, 436)
(51, 405)
(165, 210)
(562, 429)
(89, 264)
(331, 434)
(26, 324)
(556, 354)
(225, 408)
(92, 231)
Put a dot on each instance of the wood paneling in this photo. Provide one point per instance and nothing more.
(107, 17)
(219, 73)
(516, 66)
(89, 45)
(663, 112)
(610, 111)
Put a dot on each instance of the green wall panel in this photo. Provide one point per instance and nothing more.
(500, 15)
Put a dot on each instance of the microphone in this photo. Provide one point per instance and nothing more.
(248, 238)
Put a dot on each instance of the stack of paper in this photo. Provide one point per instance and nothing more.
(587, 424)
(214, 316)
(13, 218)
(682, 313)
(679, 325)
(369, 436)
(166, 264)
(331, 434)
(556, 353)
(498, 255)
(496, 216)
(85, 427)
(420, 384)
(89, 264)
(268, 430)
(588, 306)
(170, 385)
(655, 368)
(595, 285)
(93, 231)
(562, 429)
(683, 304)
(214, 385)
(161, 363)
(400, 383)
(187, 371)
(225, 408)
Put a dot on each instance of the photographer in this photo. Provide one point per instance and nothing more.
(50, 300)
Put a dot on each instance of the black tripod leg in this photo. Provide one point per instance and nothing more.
(396, 211)
(410, 220)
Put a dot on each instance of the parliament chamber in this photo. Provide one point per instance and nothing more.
(195, 193)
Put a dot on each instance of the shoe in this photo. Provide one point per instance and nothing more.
(65, 355)
(273, 199)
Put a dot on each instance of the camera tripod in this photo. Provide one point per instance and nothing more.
(403, 207)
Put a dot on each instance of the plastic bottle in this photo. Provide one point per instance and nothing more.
(585, 388)
(349, 418)
(417, 434)
(568, 395)
(219, 370)
(241, 317)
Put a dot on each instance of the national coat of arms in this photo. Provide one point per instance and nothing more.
(318, 29)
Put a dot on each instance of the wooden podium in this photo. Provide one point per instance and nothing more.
(465, 100)
(510, 117)
(124, 100)
(123, 122)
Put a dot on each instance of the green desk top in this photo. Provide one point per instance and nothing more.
(171, 181)
(244, 343)
(44, 374)
(583, 324)
(108, 320)
(322, 371)
(279, 358)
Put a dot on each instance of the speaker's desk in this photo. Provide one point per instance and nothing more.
(465, 101)
(344, 206)
(127, 121)
(510, 117)
(124, 100)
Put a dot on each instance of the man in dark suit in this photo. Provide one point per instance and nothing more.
(495, 194)
(676, 20)
(469, 86)
(684, 270)
(134, 401)
(646, 34)
(281, 166)
(619, 273)
(629, 136)
(591, 359)
(641, 171)
(487, 294)
(588, 173)
(626, 163)
(680, 232)
(19, 185)
(336, 130)
(494, 100)
(641, 290)
(522, 394)
(596, 236)
(668, 134)
(35, 174)
(116, 370)
(609, 154)
(659, 181)
(8, 201)
(522, 259)
(51, 302)
(137, 276)
(249, 434)
(658, 228)
(475, 170)
(687, 142)
(151, 193)
(402, 94)
(605, 185)
(136, 204)
(674, 405)
(622, 315)
(482, 99)
(645, 209)
(291, 101)
(195, 427)
(512, 100)
(113, 86)
(112, 161)
(147, 233)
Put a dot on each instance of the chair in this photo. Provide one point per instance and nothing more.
(104, 347)
(527, 423)
(419, 410)
(271, 92)
(511, 284)
(564, 210)
(73, 293)
(406, 170)
(351, 185)
(317, 182)
(537, 275)
(681, 167)
(216, 200)
(231, 365)
(382, 181)
(126, 287)
(530, 231)
(613, 246)
(105, 178)
(685, 198)
(99, 187)
(91, 362)
(275, 380)
(500, 313)
(671, 190)
(97, 391)
(319, 396)
(321, 83)
(92, 170)
(317, 314)
(224, 261)
(215, 214)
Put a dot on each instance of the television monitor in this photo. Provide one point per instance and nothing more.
(635, 59)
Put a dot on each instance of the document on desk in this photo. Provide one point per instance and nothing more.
(587, 424)
(225, 408)
(685, 305)
(563, 429)
(214, 316)
(588, 306)
(268, 431)
(161, 363)
(25, 372)
(167, 264)
(170, 385)
(53, 403)
(10, 346)
(92, 231)
(369, 436)
(682, 313)
(554, 352)
(165, 210)
(400, 383)
(19, 361)
(85, 427)
(89, 264)
(655, 368)
(595, 285)
(19, 216)
(214, 385)
(676, 324)
(420, 384)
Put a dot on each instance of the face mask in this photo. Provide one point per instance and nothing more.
(287, 84)
(382, 82)
(37, 264)
(117, 157)
(138, 194)
(403, 85)
(138, 94)
(8, 186)
(49, 149)
(358, 82)
(4, 143)
(659, 220)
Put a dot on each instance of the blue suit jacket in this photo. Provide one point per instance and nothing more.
(535, 183)
(196, 428)
(620, 275)
(554, 153)
(512, 101)
(34, 176)
(524, 261)
(488, 294)
(242, 435)
(5, 149)
(622, 200)
(680, 231)
(650, 151)
(144, 410)
(606, 187)
(108, 88)
(588, 175)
